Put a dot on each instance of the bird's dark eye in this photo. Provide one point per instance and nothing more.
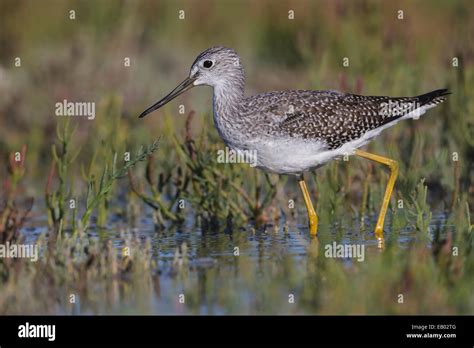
(207, 64)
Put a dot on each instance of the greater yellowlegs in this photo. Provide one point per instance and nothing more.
(295, 131)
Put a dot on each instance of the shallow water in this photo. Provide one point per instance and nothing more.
(212, 265)
(207, 247)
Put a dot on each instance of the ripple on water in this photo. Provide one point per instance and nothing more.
(205, 248)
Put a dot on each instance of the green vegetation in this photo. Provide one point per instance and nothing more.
(129, 223)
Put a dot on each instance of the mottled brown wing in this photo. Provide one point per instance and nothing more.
(337, 118)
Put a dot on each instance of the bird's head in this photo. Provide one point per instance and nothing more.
(215, 67)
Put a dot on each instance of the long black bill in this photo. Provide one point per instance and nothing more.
(181, 88)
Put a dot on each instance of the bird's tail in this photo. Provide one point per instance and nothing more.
(431, 99)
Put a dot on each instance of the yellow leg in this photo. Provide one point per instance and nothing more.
(313, 218)
(393, 165)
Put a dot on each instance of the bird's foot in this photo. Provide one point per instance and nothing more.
(313, 225)
(379, 236)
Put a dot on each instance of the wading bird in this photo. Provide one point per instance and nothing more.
(295, 131)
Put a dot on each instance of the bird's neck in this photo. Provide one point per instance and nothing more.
(228, 99)
(228, 109)
(228, 95)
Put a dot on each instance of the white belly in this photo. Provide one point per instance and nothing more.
(289, 156)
